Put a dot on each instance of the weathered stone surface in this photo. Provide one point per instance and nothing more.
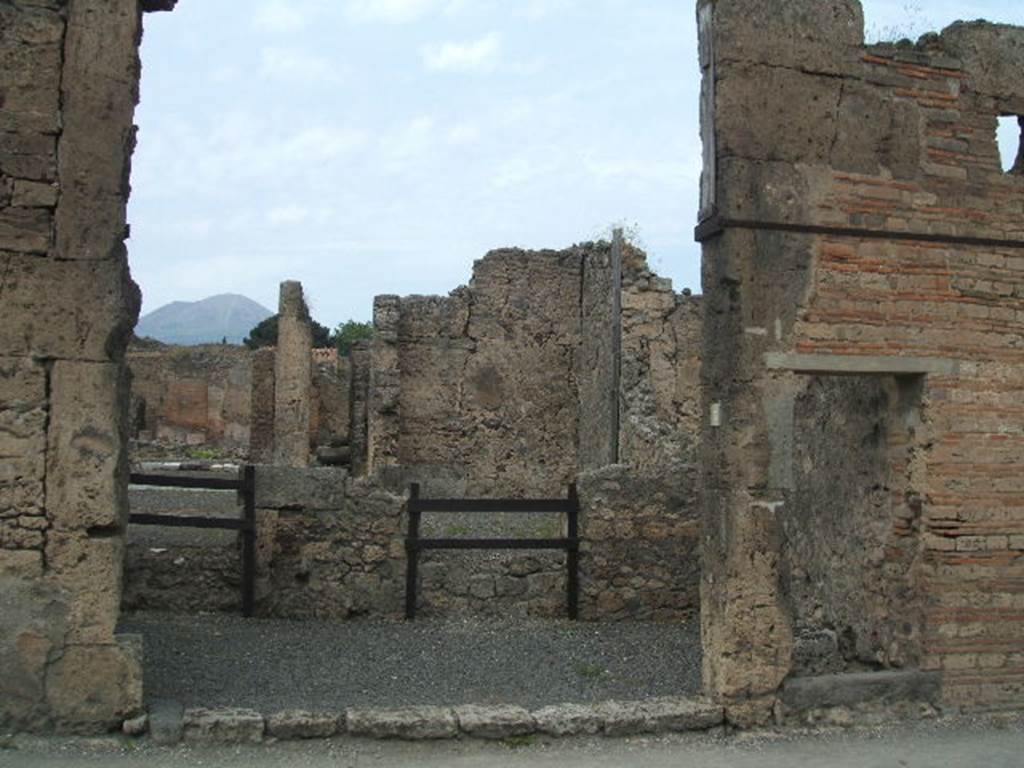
(34, 194)
(166, 722)
(495, 722)
(135, 726)
(569, 720)
(88, 569)
(87, 462)
(292, 378)
(94, 687)
(99, 90)
(66, 310)
(33, 622)
(992, 55)
(225, 725)
(413, 723)
(182, 391)
(847, 690)
(659, 716)
(299, 724)
(312, 488)
(25, 230)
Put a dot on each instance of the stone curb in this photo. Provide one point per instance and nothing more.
(609, 718)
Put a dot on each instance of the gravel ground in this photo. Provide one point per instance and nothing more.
(181, 501)
(271, 665)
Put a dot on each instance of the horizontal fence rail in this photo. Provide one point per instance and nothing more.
(414, 544)
(245, 486)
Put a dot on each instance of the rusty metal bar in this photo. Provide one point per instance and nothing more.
(716, 225)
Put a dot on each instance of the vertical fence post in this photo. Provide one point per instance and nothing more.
(412, 551)
(249, 540)
(573, 556)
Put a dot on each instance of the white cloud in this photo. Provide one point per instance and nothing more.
(536, 10)
(464, 133)
(408, 142)
(521, 170)
(278, 15)
(295, 65)
(391, 11)
(288, 214)
(319, 143)
(475, 56)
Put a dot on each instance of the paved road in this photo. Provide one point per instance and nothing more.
(941, 744)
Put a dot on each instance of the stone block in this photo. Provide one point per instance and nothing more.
(789, 33)
(62, 309)
(313, 488)
(87, 472)
(495, 722)
(222, 726)
(166, 722)
(848, 690)
(34, 194)
(411, 723)
(33, 621)
(89, 571)
(992, 56)
(25, 230)
(24, 564)
(776, 114)
(299, 724)
(569, 720)
(28, 156)
(135, 726)
(96, 687)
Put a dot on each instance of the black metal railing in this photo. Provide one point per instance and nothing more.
(245, 486)
(414, 544)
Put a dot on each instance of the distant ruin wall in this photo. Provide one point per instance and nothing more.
(197, 395)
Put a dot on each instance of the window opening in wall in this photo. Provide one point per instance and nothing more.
(1010, 136)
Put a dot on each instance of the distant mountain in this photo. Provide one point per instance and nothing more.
(228, 316)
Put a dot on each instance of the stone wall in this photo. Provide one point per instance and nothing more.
(854, 605)
(857, 221)
(475, 393)
(68, 76)
(332, 546)
(198, 395)
(261, 424)
(507, 387)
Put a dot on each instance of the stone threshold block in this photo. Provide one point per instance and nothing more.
(848, 690)
(168, 722)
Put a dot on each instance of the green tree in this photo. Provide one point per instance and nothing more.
(348, 333)
(264, 334)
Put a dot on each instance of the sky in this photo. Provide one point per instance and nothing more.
(369, 147)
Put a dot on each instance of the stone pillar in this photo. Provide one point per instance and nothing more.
(755, 284)
(359, 357)
(293, 378)
(70, 83)
(382, 428)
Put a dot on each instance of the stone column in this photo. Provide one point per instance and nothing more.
(382, 426)
(293, 378)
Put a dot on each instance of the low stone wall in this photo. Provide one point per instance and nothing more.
(640, 555)
(333, 546)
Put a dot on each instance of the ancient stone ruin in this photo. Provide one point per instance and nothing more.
(853, 442)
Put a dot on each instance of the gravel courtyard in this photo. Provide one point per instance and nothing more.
(271, 665)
